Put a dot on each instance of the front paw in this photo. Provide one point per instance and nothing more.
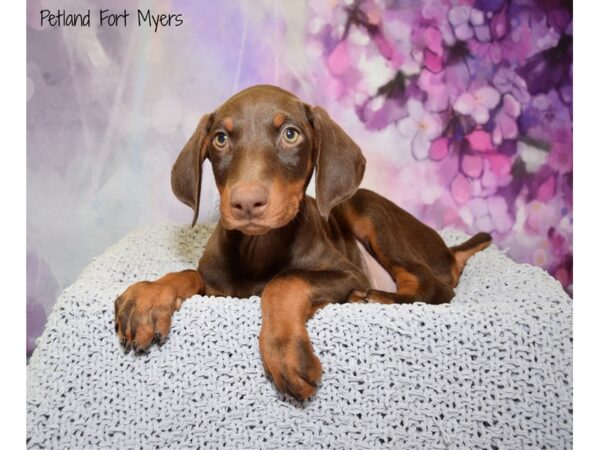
(143, 314)
(291, 362)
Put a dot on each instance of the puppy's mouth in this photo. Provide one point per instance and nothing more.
(258, 226)
(252, 228)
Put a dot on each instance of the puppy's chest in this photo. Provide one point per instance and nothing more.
(254, 262)
(259, 260)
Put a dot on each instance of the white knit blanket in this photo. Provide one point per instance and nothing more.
(492, 369)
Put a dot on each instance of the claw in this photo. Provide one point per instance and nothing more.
(160, 339)
(141, 351)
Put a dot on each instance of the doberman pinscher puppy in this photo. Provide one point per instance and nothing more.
(298, 253)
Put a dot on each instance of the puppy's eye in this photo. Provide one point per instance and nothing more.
(291, 136)
(220, 140)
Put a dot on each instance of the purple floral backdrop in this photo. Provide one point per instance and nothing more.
(462, 108)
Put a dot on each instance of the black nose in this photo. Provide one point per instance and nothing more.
(248, 201)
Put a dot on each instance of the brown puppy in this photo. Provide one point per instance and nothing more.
(298, 253)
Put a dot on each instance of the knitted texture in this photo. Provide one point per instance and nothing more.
(492, 369)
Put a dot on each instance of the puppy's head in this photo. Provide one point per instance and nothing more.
(264, 144)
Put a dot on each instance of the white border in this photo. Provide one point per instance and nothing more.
(587, 224)
(586, 211)
(12, 188)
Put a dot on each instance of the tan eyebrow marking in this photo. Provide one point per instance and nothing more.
(228, 122)
(278, 120)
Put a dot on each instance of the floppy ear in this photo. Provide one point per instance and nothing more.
(186, 175)
(340, 163)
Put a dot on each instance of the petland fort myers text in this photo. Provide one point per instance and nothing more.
(109, 18)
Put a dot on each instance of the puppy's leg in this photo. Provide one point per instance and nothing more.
(143, 312)
(288, 301)
(415, 285)
(413, 254)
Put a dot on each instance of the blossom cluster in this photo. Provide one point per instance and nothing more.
(482, 91)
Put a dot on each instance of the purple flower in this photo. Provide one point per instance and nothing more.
(506, 120)
(421, 128)
(439, 149)
(460, 188)
(508, 82)
(430, 41)
(472, 165)
(478, 103)
(468, 22)
(437, 90)
(480, 140)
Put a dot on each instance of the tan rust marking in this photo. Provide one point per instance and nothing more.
(284, 344)
(363, 228)
(406, 282)
(186, 283)
(384, 298)
(224, 204)
(284, 201)
(278, 120)
(460, 260)
(455, 273)
(286, 305)
(145, 308)
(228, 122)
